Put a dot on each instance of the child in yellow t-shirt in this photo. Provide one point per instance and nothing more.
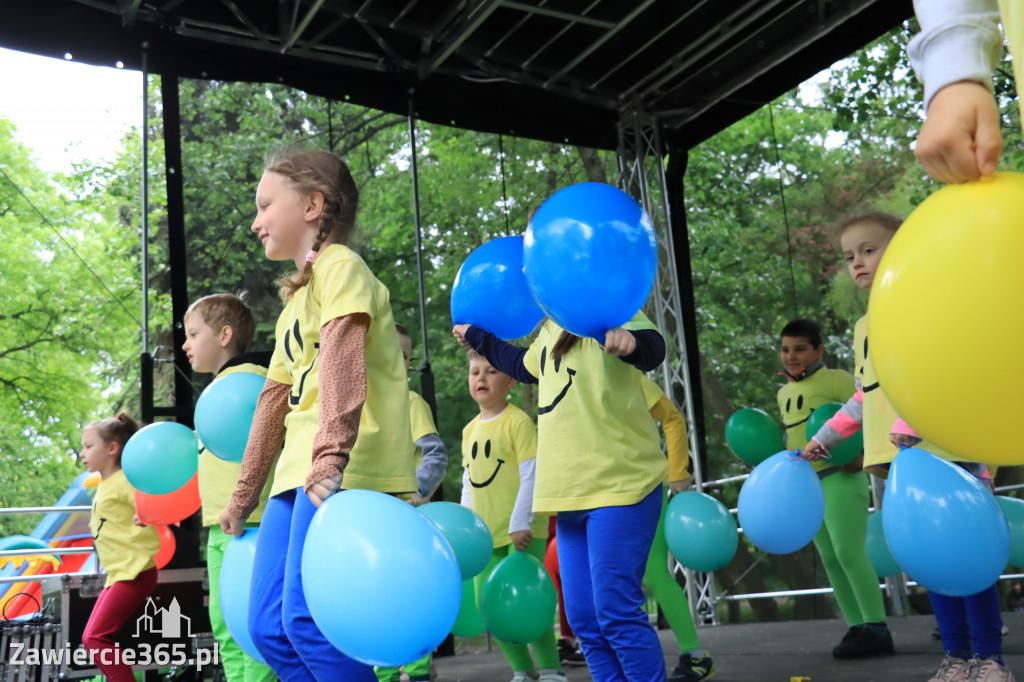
(499, 449)
(218, 329)
(125, 550)
(336, 395)
(601, 469)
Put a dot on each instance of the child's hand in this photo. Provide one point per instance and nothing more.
(617, 341)
(680, 486)
(521, 539)
(137, 521)
(415, 499)
(459, 331)
(815, 451)
(960, 139)
(904, 440)
(230, 524)
(320, 491)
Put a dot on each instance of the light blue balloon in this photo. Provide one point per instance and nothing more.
(944, 527)
(224, 413)
(235, 580)
(700, 531)
(881, 558)
(370, 564)
(466, 532)
(1013, 510)
(782, 504)
(490, 290)
(590, 257)
(161, 457)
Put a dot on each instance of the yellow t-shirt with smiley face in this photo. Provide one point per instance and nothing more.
(597, 445)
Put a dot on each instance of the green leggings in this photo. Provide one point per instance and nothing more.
(417, 668)
(841, 544)
(666, 590)
(545, 648)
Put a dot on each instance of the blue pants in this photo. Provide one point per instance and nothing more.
(602, 554)
(279, 621)
(970, 625)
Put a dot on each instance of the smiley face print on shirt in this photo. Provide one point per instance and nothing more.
(481, 464)
(555, 367)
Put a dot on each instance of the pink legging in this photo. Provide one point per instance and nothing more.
(113, 608)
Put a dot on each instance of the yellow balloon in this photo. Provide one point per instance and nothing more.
(946, 320)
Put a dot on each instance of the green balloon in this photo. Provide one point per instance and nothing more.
(517, 601)
(468, 623)
(849, 449)
(752, 435)
(877, 548)
(1013, 509)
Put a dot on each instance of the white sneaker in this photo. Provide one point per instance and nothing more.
(552, 677)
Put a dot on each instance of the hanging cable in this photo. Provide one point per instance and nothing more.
(504, 195)
(785, 212)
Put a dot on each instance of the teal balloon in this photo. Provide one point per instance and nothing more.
(517, 600)
(369, 557)
(881, 558)
(781, 504)
(1013, 510)
(929, 502)
(161, 457)
(845, 452)
(235, 579)
(469, 622)
(224, 413)
(700, 531)
(466, 532)
(752, 435)
(590, 257)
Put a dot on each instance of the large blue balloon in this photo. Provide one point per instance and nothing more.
(944, 527)
(235, 579)
(590, 258)
(490, 290)
(161, 457)
(369, 557)
(881, 558)
(466, 532)
(700, 531)
(224, 413)
(782, 504)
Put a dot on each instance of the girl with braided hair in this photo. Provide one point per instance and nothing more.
(336, 395)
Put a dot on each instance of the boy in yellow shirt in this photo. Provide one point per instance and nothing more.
(499, 450)
(218, 329)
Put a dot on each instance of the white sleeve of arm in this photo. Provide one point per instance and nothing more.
(464, 501)
(522, 512)
(959, 40)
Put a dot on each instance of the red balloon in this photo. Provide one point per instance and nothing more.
(163, 510)
(167, 546)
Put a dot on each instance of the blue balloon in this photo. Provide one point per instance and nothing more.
(235, 579)
(161, 457)
(944, 527)
(881, 558)
(700, 531)
(369, 557)
(466, 532)
(224, 413)
(782, 504)
(590, 257)
(490, 290)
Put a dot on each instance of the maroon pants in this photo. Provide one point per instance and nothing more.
(113, 608)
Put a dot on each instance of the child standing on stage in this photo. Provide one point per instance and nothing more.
(600, 468)
(499, 449)
(432, 463)
(841, 539)
(971, 627)
(125, 550)
(218, 329)
(336, 395)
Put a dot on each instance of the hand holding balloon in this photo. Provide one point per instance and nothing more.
(521, 539)
(459, 331)
(815, 451)
(618, 341)
(321, 490)
(230, 524)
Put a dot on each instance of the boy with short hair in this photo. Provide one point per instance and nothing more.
(499, 450)
(841, 539)
(218, 329)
